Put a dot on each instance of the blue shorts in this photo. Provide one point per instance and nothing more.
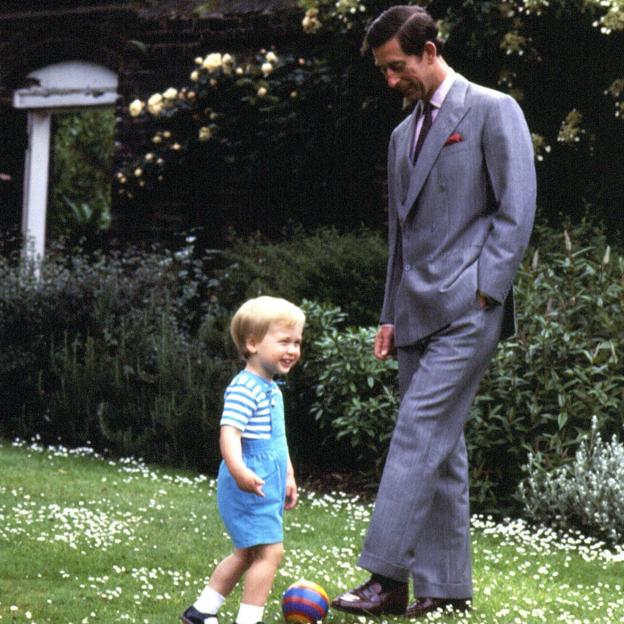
(250, 519)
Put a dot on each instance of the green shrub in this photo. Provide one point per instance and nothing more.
(540, 390)
(155, 395)
(83, 147)
(355, 396)
(562, 366)
(113, 354)
(131, 351)
(586, 493)
(345, 270)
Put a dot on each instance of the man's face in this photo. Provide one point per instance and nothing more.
(410, 74)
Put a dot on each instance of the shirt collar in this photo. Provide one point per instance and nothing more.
(437, 99)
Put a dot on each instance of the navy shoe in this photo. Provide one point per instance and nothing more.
(193, 616)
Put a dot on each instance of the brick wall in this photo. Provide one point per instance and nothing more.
(149, 49)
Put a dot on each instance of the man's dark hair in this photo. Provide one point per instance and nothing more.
(411, 25)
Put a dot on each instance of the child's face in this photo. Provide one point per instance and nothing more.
(277, 352)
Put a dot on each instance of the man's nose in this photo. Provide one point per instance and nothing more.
(392, 80)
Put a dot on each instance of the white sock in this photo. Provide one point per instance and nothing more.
(249, 614)
(209, 601)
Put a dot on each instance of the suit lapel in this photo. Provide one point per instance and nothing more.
(450, 114)
(404, 146)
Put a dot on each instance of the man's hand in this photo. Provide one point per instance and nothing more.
(291, 492)
(484, 300)
(384, 342)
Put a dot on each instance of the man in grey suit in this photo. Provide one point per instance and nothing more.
(461, 202)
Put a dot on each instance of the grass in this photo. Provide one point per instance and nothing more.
(85, 539)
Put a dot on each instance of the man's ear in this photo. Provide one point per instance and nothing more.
(430, 50)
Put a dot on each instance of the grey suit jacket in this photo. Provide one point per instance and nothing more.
(460, 220)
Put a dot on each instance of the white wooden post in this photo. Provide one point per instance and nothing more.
(61, 87)
(36, 184)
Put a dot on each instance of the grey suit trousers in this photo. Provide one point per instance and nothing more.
(421, 521)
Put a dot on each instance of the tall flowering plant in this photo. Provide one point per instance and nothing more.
(272, 114)
(227, 104)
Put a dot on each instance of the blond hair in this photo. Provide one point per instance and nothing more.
(254, 317)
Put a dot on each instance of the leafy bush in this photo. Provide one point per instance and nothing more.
(112, 354)
(306, 136)
(81, 172)
(155, 394)
(539, 391)
(586, 493)
(345, 270)
(276, 132)
(131, 352)
(355, 394)
(562, 366)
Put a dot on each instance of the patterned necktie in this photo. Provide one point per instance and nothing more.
(424, 129)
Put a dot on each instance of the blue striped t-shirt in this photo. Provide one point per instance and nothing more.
(247, 407)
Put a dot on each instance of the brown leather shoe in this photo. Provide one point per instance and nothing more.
(426, 605)
(371, 599)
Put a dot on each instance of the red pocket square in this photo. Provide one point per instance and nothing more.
(454, 138)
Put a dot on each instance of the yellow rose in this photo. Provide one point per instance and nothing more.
(262, 91)
(271, 58)
(154, 99)
(198, 60)
(266, 68)
(136, 107)
(155, 104)
(213, 61)
(138, 172)
(194, 75)
(311, 21)
(170, 94)
(227, 64)
(205, 133)
(155, 109)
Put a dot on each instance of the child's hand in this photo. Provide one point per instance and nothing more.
(291, 492)
(248, 481)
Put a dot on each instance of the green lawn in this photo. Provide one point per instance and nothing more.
(84, 539)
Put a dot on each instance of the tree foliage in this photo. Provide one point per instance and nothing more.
(304, 134)
(81, 168)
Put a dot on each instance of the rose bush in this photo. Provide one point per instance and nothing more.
(325, 119)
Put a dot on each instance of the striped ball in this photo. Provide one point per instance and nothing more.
(304, 602)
